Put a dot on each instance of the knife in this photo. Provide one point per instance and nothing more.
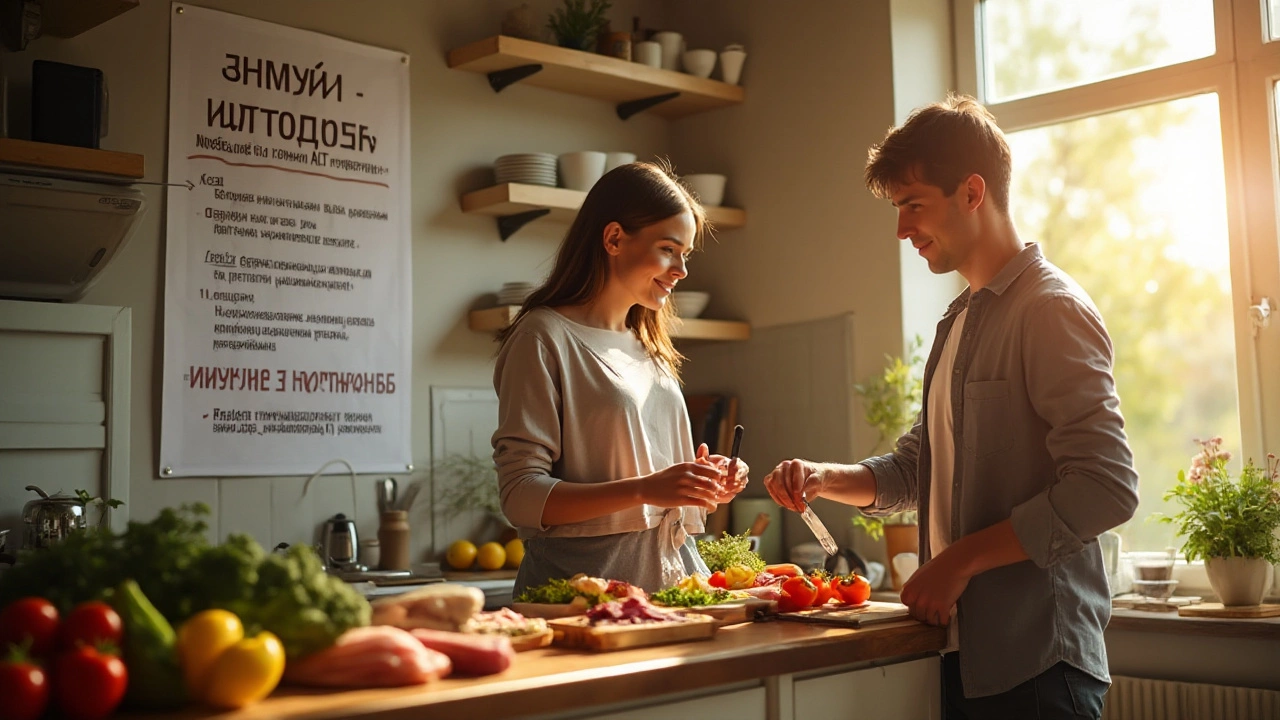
(819, 530)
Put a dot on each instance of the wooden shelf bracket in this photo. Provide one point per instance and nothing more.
(627, 109)
(500, 79)
(509, 224)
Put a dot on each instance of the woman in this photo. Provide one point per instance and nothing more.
(596, 464)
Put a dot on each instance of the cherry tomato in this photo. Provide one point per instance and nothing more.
(31, 621)
(717, 579)
(92, 623)
(88, 684)
(24, 687)
(800, 592)
(854, 589)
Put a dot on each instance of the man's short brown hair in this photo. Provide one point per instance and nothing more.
(941, 145)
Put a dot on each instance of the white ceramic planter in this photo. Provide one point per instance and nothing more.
(1239, 580)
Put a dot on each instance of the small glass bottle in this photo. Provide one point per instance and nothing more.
(393, 537)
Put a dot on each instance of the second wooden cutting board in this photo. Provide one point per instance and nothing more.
(578, 632)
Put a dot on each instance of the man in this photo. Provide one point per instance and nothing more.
(1018, 460)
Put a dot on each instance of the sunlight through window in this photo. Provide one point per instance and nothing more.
(1065, 44)
(1133, 205)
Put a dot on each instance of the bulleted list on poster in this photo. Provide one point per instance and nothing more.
(287, 320)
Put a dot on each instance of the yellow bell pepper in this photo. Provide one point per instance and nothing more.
(201, 639)
(739, 577)
(246, 672)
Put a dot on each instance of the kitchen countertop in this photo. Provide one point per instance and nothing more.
(556, 680)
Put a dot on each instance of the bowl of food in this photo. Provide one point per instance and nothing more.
(690, 304)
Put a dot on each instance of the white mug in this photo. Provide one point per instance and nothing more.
(647, 53)
(672, 47)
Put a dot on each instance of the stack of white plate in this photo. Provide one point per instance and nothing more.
(514, 293)
(527, 168)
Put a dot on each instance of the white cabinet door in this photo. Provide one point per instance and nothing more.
(909, 690)
(739, 705)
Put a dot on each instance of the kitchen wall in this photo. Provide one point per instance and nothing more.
(459, 125)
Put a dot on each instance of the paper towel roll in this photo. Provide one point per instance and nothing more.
(745, 511)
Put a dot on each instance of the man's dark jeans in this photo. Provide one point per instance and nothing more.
(1061, 692)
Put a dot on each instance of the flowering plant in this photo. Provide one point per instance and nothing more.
(1226, 518)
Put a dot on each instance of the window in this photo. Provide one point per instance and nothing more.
(1142, 139)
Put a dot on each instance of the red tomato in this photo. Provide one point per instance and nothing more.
(717, 579)
(88, 684)
(91, 623)
(800, 590)
(826, 589)
(24, 688)
(854, 589)
(31, 621)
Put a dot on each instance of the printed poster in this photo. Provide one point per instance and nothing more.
(287, 271)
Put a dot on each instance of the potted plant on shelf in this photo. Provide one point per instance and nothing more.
(1229, 523)
(467, 483)
(578, 22)
(891, 403)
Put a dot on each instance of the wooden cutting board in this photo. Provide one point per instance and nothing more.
(1264, 610)
(867, 613)
(731, 613)
(521, 643)
(547, 610)
(577, 632)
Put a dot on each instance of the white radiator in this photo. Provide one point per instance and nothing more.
(1144, 699)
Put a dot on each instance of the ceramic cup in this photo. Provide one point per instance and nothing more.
(647, 53)
(672, 44)
(581, 170)
(731, 65)
(617, 159)
(699, 63)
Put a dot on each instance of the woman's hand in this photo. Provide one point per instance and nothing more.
(732, 473)
(795, 482)
(689, 484)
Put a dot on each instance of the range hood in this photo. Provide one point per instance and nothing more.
(57, 235)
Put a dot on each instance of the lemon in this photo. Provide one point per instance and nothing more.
(491, 556)
(515, 553)
(461, 555)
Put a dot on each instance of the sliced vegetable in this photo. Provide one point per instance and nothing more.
(246, 672)
(24, 687)
(681, 597)
(31, 622)
(739, 577)
(93, 624)
(89, 684)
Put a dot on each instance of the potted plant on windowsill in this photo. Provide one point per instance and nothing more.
(1229, 523)
(891, 403)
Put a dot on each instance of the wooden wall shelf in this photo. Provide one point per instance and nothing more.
(497, 318)
(69, 18)
(591, 75)
(514, 203)
(50, 158)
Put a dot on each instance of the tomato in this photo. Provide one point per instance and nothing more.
(717, 579)
(800, 592)
(92, 623)
(854, 589)
(24, 687)
(31, 621)
(826, 589)
(88, 684)
(788, 569)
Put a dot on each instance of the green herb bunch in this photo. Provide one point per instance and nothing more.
(729, 550)
(559, 591)
(680, 597)
(577, 24)
(467, 482)
(1222, 517)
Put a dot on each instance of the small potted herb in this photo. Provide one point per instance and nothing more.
(578, 22)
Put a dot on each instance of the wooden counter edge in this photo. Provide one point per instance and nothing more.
(1140, 621)
(675, 668)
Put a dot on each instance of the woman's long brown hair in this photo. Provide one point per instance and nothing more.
(634, 196)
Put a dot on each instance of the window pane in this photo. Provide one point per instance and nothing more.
(1133, 206)
(1035, 46)
(1275, 19)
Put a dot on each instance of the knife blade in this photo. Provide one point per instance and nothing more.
(819, 530)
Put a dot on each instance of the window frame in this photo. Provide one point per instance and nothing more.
(1243, 71)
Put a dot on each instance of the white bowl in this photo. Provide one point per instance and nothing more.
(581, 170)
(690, 303)
(617, 159)
(709, 187)
(699, 63)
